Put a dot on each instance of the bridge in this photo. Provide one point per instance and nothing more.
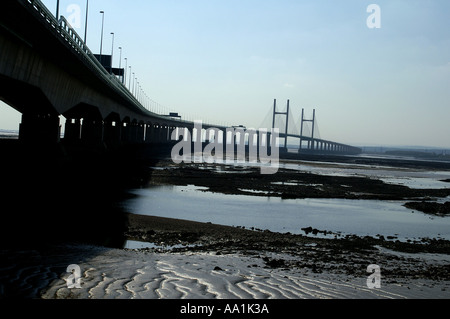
(307, 135)
(47, 71)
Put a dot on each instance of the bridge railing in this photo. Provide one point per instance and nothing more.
(72, 35)
(44, 12)
(65, 30)
(74, 40)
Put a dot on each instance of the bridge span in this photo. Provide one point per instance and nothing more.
(47, 71)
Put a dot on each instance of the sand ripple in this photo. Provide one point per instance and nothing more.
(118, 274)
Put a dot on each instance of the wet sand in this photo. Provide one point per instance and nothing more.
(347, 256)
(203, 260)
(224, 263)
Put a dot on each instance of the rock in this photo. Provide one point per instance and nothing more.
(274, 263)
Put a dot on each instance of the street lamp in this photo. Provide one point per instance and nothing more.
(57, 10)
(124, 80)
(112, 51)
(129, 84)
(101, 39)
(86, 22)
(135, 86)
(120, 58)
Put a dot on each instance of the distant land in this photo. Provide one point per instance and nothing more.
(403, 151)
(418, 152)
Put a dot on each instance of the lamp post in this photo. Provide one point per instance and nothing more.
(120, 58)
(125, 72)
(57, 10)
(129, 84)
(112, 51)
(101, 39)
(120, 62)
(135, 86)
(86, 22)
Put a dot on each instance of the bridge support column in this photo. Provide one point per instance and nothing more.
(39, 129)
(258, 142)
(284, 149)
(140, 138)
(72, 130)
(190, 137)
(171, 129)
(92, 131)
(222, 141)
(125, 134)
(155, 131)
(134, 132)
(111, 133)
(148, 133)
(269, 143)
(162, 134)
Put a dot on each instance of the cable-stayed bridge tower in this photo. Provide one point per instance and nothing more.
(310, 141)
(313, 121)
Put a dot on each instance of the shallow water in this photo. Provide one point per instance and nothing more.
(359, 217)
(413, 178)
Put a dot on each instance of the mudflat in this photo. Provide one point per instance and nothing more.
(341, 255)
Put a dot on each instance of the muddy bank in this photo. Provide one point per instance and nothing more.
(287, 184)
(349, 255)
(431, 208)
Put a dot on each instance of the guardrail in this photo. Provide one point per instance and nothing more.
(63, 28)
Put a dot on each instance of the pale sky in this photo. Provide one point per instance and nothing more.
(225, 61)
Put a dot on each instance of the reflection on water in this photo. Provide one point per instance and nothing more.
(133, 244)
(360, 217)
